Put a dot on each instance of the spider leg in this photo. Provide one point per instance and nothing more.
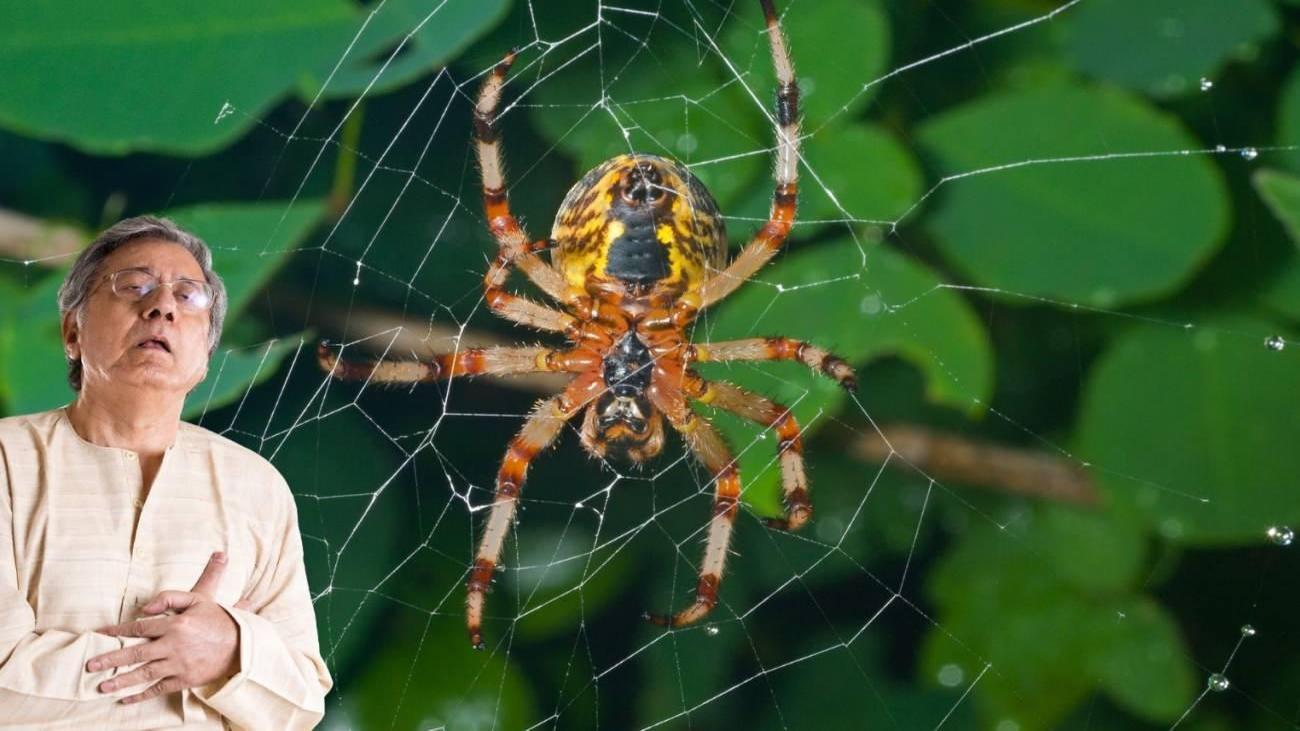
(707, 445)
(514, 247)
(761, 410)
(757, 349)
(492, 361)
(538, 433)
(772, 235)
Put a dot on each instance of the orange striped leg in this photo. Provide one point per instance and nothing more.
(755, 349)
(541, 429)
(708, 446)
(773, 234)
(756, 408)
(495, 361)
(515, 248)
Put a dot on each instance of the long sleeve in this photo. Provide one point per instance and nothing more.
(42, 674)
(282, 679)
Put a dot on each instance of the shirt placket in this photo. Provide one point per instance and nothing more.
(139, 579)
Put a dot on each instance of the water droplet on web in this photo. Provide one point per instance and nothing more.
(871, 304)
(712, 630)
(1249, 153)
(1220, 148)
(1206, 84)
(1281, 535)
(951, 675)
(1247, 630)
(1275, 342)
(1218, 683)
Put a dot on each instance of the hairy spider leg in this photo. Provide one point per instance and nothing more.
(708, 446)
(538, 433)
(513, 245)
(761, 410)
(778, 348)
(490, 361)
(772, 235)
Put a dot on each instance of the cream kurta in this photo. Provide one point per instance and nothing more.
(82, 546)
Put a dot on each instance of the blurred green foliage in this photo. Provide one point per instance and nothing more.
(1079, 238)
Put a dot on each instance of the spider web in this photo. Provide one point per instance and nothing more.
(835, 614)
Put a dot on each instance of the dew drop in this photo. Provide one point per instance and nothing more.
(1206, 84)
(356, 281)
(1218, 682)
(1281, 535)
(1249, 153)
(1275, 342)
(1248, 630)
(951, 675)
(712, 630)
(1220, 148)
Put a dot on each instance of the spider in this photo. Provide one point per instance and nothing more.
(638, 250)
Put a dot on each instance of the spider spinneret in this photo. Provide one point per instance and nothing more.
(637, 251)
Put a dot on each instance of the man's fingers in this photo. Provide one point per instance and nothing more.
(162, 687)
(133, 655)
(211, 576)
(171, 600)
(147, 627)
(147, 673)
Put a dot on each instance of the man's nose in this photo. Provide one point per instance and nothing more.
(160, 303)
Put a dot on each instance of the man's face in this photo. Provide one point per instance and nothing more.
(152, 343)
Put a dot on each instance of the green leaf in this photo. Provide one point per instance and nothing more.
(435, 680)
(1282, 194)
(1164, 47)
(439, 32)
(830, 71)
(232, 373)
(111, 78)
(1102, 232)
(1093, 551)
(675, 105)
(1196, 429)
(1141, 662)
(249, 241)
(1046, 639)
(1288, 122)
(33, 368)
(871, 176)
(827, 296)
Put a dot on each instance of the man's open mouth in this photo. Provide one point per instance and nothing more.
(159, 343)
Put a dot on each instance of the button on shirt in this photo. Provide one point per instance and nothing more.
(82, 546)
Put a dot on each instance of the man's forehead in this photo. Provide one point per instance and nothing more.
(157, 255)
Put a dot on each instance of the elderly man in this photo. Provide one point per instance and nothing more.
(112, 506)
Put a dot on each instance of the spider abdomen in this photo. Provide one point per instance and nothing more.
(640, 220)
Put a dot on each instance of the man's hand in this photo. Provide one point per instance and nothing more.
(193, 644)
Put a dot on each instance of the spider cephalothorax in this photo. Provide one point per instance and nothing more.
(637, 251)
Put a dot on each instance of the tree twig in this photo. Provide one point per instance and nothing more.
(947, 457)
(29, 239)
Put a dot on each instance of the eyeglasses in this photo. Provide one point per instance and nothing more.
(136, 284)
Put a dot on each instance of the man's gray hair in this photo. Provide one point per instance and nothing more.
(85, 273)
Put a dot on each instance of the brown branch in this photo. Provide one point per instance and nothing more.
(41, 242)
(949, 458)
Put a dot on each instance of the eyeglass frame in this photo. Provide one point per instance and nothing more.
(205, 287)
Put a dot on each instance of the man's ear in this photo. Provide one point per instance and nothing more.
(71, 336)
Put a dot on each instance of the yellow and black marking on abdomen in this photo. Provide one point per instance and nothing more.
(641, 220)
